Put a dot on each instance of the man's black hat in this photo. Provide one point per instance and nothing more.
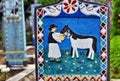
(52, 26)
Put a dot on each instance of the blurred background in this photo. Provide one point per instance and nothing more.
(114, 21)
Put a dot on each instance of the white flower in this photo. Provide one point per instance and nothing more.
(94, 70)
(5, 69)
(87, 72)
(67, 53)
(83, 61)
(73, 63)
(96, 62)
(60, 68)
(65, 60)
(90, 65)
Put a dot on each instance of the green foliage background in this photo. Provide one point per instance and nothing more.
(47, 1)
(101, 1)
(114, 36)
(115, 57)
(115, 42)
(41, 1)
(115, 26)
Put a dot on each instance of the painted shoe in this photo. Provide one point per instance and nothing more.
(58, 60)
(52, 59)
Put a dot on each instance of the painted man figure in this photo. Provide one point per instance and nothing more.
(54, 51)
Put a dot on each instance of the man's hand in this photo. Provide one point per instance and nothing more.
(61, 36)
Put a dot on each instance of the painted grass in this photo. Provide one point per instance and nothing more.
(69, 66)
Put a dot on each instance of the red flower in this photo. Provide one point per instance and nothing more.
(70, 6)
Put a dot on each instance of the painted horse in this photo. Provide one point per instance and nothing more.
(80, 42)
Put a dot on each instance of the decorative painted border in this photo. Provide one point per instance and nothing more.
(43, 11)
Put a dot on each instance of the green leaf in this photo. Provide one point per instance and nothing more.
(115, 56)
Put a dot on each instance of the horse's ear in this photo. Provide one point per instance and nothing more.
(66, 27)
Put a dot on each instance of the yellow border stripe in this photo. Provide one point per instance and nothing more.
(13, 52)
(17, 60)
(13, 16)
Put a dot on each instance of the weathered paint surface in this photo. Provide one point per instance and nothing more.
(14, 36)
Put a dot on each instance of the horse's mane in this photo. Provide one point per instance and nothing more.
(75, 35)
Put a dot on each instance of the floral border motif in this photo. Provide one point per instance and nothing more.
(70, 6)
(42, 12)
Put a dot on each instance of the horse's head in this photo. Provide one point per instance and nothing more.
(66, 31)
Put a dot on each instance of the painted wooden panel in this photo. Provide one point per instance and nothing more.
(72, 42)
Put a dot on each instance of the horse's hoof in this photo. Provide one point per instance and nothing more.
(72, 57)
(58, 61)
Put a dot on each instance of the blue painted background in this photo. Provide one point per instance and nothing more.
(82, 66)
(81, 26)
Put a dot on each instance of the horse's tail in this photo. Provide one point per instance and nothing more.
(94, 44)
(87, 52)
(71, 51)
